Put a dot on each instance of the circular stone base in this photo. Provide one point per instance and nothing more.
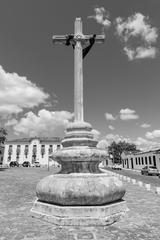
(80, 215)
(80, 189)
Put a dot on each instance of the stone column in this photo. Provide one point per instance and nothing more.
(78, 73)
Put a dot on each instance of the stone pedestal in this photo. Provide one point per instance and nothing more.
(79, 215)
(80, 194)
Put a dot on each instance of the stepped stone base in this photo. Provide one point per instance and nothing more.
(79, 215)
(80, 195)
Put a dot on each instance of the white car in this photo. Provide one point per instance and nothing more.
(117, 167)
(35, 164)
(149, 170)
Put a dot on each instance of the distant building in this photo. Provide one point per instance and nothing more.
(30, 149)
(138, 160)
(107, 162)
(1, 154)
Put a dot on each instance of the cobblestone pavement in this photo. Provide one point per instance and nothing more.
(18, 193)
(153, 180)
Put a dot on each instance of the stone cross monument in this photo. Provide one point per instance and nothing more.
(79, 41)
(80, 194)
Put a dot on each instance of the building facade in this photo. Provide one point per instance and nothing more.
(1, 153)
(139, 160)
(30, 149)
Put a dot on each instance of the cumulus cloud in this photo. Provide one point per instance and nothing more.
(18, 93)
(145, 125)
(141, 143)
(102, 144)
(11, 122)
(153, 134)
(111, 127)
(137, 27)
(44, 124)
(109, 116)
(116, 137)
(128, 114)
(140, 52)
(101, 16)
(146, 145)
(96, 134)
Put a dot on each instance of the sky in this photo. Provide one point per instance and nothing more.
(121, 76)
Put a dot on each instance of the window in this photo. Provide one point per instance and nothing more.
(150, 161)
(142, 160)
(34, 149)
(127, 163)
(26, 150)
(154, 161)
(50, 149)
(9, 158)
(42, 150)
(10, 149)
(136, 161)
(17, 158)
(123, 162)
(146, 162)
(18, 149)
(132, 166)
(139, 160)
(34, 154)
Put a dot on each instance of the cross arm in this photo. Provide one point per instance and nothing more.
(60, 39)
(98, 38)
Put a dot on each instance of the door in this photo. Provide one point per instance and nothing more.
(154, 161)
(127, 163)
(132, 166)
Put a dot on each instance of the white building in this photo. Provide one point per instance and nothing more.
(30, 149)
(138, 160)
(1, 153)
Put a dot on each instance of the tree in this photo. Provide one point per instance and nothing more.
(116, 149)
(3, 135)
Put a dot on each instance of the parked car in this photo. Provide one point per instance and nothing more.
(26, 164)
(117, 167)
(14, 164)
(37, 164)
(149, 170)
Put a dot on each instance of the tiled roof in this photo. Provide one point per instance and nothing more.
(132, 152)
(41, 139)
(155, 151)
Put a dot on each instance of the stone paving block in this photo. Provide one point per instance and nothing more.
(128, 179)
(133, 181)
(158, 190)
(85, 236)
(124, 178)
(140, 183)
(148, 187)
(17, 188)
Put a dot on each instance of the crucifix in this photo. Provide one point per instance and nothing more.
(78, 41)
(80, 182)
